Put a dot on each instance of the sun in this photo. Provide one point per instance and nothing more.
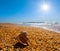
(45, 7)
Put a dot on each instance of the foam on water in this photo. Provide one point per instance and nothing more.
(54, 27)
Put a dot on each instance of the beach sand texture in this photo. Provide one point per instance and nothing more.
(40, 39)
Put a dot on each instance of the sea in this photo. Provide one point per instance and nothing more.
(52, 26)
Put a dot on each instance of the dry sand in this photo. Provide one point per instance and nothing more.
(41, 39)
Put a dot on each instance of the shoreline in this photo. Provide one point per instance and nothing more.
(46, 27)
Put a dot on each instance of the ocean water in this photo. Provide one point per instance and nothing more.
(47, 26)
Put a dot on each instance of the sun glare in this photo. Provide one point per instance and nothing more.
(45, 7)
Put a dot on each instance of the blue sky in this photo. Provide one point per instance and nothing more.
(16, 11)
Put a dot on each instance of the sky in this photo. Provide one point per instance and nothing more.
(16, 11)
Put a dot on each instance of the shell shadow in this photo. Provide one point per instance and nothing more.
(19, 45)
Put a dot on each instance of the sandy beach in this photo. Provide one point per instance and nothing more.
(41, 39)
